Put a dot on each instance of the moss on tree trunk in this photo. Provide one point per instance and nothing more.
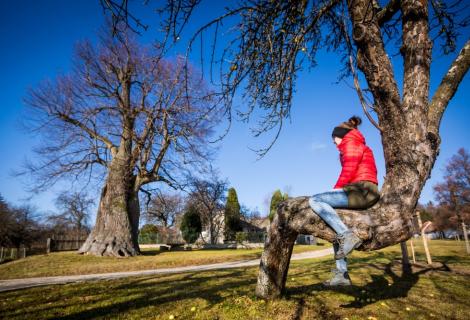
(117, 221)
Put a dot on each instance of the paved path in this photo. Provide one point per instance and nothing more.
(14, 284)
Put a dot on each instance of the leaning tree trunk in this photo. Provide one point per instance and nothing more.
(387, 223)
(117, 221)
(410, 149)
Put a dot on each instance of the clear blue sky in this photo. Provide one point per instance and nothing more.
(37, 40)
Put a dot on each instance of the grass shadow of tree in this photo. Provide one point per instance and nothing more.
(149, 293)
(377, 289)
(151, 252)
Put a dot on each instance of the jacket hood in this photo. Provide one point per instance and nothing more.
(353, 135)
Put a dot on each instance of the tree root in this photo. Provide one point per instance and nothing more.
(108, 246)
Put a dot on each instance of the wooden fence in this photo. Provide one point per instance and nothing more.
(7, 254)
(63, 243)
(55, 243)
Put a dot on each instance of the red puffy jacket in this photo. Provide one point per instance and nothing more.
(357, 160)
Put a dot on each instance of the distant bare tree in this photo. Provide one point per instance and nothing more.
(445, 219)
(19, 225)
(5, 218)
(453, 194)
(208, 197)
(454, 191)
(126, 114)
(74, 212)
(250, 214)
(164, 208)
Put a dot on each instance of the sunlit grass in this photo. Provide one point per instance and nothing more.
(380, 291)
(71, 263)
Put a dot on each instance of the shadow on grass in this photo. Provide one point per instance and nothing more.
(148, 292)
(452, 259)
(378, 289)
(131, 296)
(151, 252)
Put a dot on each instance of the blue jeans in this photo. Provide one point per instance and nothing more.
(323, 204)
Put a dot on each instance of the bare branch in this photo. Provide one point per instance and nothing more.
(120, 102)
(92, 133)
(387, 12)
(448, 87)
(364, 104)
(450, 18)
(121, 15)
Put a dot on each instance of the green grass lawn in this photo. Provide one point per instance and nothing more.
(71, 263)
(380, 291)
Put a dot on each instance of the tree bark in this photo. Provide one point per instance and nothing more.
(117, 221)
(410, 148)
(405, 260)
(275, 260)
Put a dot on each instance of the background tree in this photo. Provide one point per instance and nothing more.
(427, 211)
(454, 191)
(446, 220)
(148, 234)
(276, 200)
(163, 209)
(191, 226)
(74, 213)
(453, 194)
(208, 196)
(232, 215)
(6, 225)
(249, 214)
(127, 116)
(19, 226)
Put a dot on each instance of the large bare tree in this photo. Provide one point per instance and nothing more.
(127, 115)
(273, 40)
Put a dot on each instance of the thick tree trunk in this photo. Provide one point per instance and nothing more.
(275, 260)
(117, 221)
(379, 227)
(410, 140)
(410, 149)
(405, 260)
(387, 223)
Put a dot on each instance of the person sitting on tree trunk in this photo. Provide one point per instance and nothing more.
(356, 188)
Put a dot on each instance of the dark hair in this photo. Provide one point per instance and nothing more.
(341, 130)
(353, 122)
